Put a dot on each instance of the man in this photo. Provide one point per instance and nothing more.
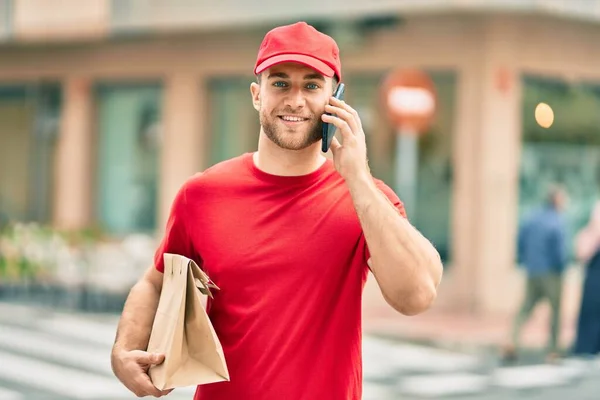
(284, 233)
(542, 250)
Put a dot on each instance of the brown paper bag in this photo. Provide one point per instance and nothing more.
(183, 331)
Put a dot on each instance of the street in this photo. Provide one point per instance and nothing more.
(54, 355)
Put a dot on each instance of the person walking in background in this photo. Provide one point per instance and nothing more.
(542, 251)
(587, 246)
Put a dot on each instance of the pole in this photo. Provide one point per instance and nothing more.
(406, 168)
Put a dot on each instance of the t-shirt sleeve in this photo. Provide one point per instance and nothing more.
(176, 239)
(396, 202)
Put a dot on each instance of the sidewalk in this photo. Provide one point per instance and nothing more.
(461, 330)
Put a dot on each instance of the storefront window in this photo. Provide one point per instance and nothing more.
(234, 121)
(566, 153)
(28, 130)
(129, 137)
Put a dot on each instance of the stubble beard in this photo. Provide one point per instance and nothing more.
(291, 140)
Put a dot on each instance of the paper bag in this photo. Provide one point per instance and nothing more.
(182, 330)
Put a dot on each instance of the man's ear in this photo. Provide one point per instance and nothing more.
(255, 91)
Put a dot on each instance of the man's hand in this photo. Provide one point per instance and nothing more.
(350, 156)
(131, 367)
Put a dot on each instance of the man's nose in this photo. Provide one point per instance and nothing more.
(295, 99)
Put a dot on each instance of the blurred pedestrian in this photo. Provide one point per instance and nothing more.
(587, 249)
(542, 251)
(289, 236)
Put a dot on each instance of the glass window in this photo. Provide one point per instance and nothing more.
(128, 157)
(567, 153)
(29, 115)
(234, 121)
(434, 176)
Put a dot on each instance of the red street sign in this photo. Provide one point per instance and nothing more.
(410, 100)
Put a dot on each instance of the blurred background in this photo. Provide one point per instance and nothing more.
(107, 107)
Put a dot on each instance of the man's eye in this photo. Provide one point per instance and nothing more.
(280, 84)
(312, 86)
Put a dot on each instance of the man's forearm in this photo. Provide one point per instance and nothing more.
(405, 264)
(136, 320)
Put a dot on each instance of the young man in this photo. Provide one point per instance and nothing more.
(288, 236)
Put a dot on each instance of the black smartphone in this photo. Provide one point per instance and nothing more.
(329, 129)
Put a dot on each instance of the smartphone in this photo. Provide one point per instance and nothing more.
(329, 129)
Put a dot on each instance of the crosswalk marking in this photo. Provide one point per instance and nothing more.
(37, 345)
(532, 376)
(47, 351)
(57, 379)
(6, 394)
(78, 328)
(188, 391)
(373, 391)
(434, 386)
(68, 355)
(415, 358)
(421, 358)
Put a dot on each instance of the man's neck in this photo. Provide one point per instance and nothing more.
(274, 160)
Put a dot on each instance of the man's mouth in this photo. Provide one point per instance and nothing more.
(292, 119)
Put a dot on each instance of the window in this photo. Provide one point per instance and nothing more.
(128, 158)
(234, 121)
(29, 115)
(567, 153)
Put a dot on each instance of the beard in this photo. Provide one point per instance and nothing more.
(289, 138)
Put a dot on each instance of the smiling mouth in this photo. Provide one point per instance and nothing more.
(292, 119)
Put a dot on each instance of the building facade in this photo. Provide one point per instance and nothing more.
(106, 109)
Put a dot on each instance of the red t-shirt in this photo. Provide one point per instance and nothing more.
(289, 256)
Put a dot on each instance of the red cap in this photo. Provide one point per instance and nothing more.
(299, 43)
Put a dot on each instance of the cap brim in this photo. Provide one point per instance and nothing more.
(309, 61)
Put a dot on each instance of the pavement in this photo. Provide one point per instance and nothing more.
(48, 354)
(443, 326)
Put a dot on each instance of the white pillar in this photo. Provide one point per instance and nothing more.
(183, 150)
(487, 154)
